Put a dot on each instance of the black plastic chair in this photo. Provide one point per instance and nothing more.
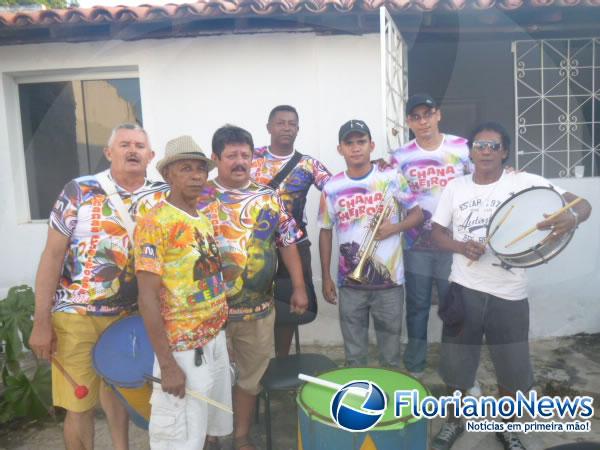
(282, 375)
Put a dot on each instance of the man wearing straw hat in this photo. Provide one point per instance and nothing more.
(251, 223)
(85, 279)
(182, 300)
(493, 300)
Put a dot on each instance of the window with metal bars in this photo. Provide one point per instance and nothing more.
(557, 107)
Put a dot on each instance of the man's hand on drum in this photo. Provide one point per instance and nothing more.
(43, 339)
(473, 250)
(329, 291)
(173, 380)
(559, 225)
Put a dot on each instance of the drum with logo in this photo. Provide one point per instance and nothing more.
(123, 357)
(318, 431)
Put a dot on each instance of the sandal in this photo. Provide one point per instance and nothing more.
(213, 444)
(243, 443)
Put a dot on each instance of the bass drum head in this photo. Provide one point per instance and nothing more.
(525, 209)
(123, 355)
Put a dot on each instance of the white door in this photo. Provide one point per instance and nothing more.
(394, 82)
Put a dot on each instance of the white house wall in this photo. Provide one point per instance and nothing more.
(192, 86)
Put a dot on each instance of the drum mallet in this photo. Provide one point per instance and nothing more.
(197, 395)
(489, 238)
(331, 385)
(551, 216)
(81, 391)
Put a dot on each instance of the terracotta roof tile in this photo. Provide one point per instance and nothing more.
(213, 8)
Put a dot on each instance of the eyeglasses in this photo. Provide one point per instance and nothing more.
(489, 145)
(426, 115)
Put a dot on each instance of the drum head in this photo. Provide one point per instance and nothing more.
(525, 209)
(123, 354)
(316, 399)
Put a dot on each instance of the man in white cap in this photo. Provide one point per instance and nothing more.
(182, 300)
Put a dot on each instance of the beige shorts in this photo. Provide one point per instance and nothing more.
(76, 336)
(252, 343)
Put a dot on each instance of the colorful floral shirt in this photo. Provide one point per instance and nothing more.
(428, 172)
(250, 223)
(97, 276)
(182, 249)
(294, 187)
(351, 206)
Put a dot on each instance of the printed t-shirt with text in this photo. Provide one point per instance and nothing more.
(350, 205)
(182, 249)
(428, 172)
(97, 276)
(294, 187)
(466, 208)
(249, 223)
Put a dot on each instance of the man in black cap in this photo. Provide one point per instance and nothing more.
(428, 162)
(370, 275)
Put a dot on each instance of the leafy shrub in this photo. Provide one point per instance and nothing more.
(24, 395)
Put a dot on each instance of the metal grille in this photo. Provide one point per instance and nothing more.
(394, 76)
(557, 106)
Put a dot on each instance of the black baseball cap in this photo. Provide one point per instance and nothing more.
(418, 100)
(353, 126)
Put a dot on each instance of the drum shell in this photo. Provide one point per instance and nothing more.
(540, 254)
(137, 403)
(316, 432)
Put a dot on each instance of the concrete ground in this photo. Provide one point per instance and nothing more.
(562, 366)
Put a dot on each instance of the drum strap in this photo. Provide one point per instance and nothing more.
(109, 187)
(285, 171)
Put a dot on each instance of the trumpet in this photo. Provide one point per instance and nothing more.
(369, 244)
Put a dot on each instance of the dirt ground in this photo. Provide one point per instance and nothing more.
(563, 366)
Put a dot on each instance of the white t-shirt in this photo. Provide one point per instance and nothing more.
(468, 207)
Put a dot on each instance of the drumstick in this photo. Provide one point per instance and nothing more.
(489, 238)
(81, 391)
(331, 385)
(551, 216)
(197, 395)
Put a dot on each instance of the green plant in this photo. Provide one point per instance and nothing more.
(24, 395)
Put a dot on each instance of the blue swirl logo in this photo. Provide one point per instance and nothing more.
(363, 418)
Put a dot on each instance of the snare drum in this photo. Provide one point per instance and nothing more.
(318, 431)
(526, 209)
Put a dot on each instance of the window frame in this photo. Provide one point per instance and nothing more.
(11, 83)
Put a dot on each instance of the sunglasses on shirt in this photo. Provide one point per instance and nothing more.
(489, 145)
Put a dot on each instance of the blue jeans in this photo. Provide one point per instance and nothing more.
(385, 306)
(422, 268)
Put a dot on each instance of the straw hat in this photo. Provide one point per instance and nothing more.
(180, 148)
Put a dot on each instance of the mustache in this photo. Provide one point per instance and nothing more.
(236, 168)
(132, 157)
